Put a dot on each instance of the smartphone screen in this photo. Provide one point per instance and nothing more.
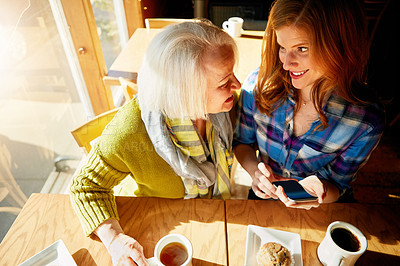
(294, 191)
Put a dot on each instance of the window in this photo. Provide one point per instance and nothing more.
(39, 102)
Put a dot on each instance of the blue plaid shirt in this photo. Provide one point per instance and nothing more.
(335, 153)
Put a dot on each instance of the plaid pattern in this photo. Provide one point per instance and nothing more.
(335, 153)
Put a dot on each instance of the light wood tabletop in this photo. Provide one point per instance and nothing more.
(216, 228)
(379, 223)
(128, 62)
(46, 218)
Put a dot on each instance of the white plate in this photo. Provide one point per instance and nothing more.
(258, 236)
(55, 254)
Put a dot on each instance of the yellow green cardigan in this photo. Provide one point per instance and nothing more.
(124, 148)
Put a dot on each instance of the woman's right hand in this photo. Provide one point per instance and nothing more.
(125, 250)
(262, 182)
(261, 185)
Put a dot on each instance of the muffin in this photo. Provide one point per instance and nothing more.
(273, 254)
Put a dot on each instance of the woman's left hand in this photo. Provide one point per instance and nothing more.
(313, 185)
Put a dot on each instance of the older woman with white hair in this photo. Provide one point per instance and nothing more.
(174, 139)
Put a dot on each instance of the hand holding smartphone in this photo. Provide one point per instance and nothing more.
(294, 191)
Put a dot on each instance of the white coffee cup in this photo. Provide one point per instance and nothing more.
(331, 251)
(171, 239)
(233, 26)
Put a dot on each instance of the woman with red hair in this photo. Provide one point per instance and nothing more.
(304, 113)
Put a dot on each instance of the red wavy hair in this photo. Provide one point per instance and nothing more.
(338, 45)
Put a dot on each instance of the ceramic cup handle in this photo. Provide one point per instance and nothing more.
(152, 261)
(335, 261)
(225, 25)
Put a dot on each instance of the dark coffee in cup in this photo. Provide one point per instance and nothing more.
(173, 254)
(345, 239)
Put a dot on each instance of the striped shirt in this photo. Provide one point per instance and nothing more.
(335, 153)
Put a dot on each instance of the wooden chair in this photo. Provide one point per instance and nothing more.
(157, 23)
(87, 133)
(9, 187)
(129, 88)
(3, 194)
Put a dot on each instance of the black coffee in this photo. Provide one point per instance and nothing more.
(345, 239)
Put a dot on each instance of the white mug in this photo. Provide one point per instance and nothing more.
(233, 26)
(171, 239)
(339, 247)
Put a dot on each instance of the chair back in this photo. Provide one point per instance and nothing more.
(157, 23)
(9, 188)
(88, 132)
(129, 88)
(92, 129)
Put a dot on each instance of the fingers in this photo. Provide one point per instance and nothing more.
(263, 169)
(292, 204)
(264, 189)
(137, 255)
(259, 193)
(267, 172)
(261, 185)
(138, 258)
(313, 185)
(280, 193)
(125, 250)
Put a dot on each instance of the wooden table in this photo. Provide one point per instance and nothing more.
(46, 218)
(130, 59)
(380, 225)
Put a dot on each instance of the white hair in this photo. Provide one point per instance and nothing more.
(172, 77)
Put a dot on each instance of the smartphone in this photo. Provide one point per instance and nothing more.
(294, 191)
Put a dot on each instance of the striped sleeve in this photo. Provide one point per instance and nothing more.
(91, 192)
